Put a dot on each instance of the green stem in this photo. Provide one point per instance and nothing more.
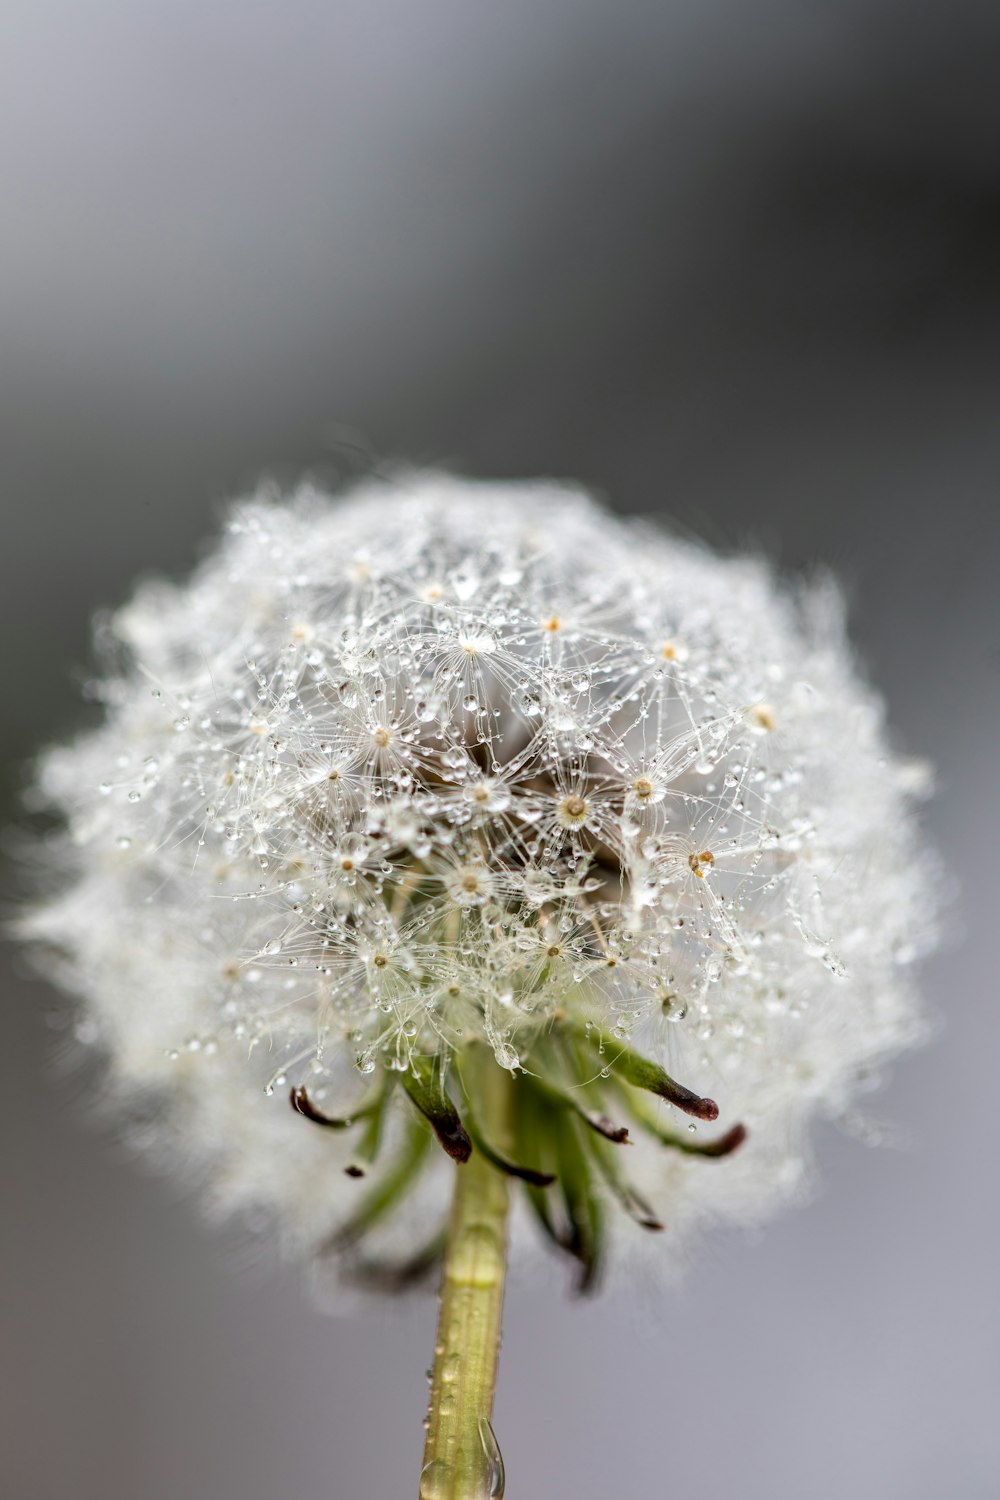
(461, 1459)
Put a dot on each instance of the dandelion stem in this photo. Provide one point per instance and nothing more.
(461, 1460)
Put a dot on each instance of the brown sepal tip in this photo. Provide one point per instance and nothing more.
(727, 1143)
(610, 1131)
(454, 1140)
(300, 1101)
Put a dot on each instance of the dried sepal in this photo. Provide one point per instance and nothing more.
(639, 1108)
(531, 1175)
(424, 1082)
(369, 1144)
(643, 1073)
(608, 1164)
(388, 1190)
(570, 1097)
(584, 1237)
(303, 1105)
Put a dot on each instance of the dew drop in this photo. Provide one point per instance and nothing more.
(435, 1480)
(496, 1479)
(506, 1056)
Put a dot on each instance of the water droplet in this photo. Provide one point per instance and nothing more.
(506, 1056)
(435, 1480)
(134, 796)
(495, 1477)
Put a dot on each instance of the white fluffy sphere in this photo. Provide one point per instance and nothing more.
(445, 761)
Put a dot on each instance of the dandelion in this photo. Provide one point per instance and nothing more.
(459, 837)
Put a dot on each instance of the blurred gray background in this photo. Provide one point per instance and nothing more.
(731, 262)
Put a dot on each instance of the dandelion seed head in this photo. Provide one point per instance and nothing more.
(441, 761)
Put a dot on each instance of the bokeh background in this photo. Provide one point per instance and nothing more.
(733, 263)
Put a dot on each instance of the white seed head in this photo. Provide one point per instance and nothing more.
(447, 760)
